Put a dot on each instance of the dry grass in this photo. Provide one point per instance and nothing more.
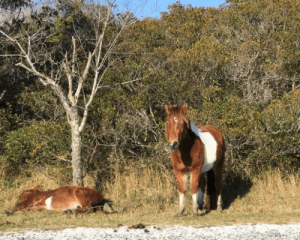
(150, 196)
(146, 188)
(271, 192)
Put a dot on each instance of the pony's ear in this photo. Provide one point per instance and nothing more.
(183, 109)
(37, 187)
(187, 121)
(168, 109)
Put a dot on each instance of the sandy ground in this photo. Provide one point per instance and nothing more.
(238, 232)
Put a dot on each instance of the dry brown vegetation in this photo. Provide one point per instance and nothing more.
(150, 196)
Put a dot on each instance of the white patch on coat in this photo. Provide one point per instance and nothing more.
(219, 205)
(48, 203)
(195, 197)
(210, 148)
(182, 200)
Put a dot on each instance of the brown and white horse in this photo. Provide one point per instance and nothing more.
(67, 198)
(195, 150)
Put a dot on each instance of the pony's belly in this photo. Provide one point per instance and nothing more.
(206, 167)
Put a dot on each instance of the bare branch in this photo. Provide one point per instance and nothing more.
(29, 47)
(46, 80)
(83, 77)
(98, 46)
(111, 47)
(43, 78)
(69, 76)
(62, 159)
(11, 55)
(74, 55)
(94, 91)
(2, 94)
(131, 81)
(20, 47)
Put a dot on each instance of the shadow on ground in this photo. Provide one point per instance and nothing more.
(234, 187)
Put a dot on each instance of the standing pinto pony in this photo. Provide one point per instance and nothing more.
(195, 150)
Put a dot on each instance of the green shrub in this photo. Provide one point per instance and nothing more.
(39, 143)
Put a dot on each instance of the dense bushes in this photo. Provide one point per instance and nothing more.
(237, 67)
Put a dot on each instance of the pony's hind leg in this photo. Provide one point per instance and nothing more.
(211, 191)
(202, 187)
(218, 185)
(217, 170)
(220, 207)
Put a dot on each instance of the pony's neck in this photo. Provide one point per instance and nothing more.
(188, 140)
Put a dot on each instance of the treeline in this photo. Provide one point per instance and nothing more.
(236, 66)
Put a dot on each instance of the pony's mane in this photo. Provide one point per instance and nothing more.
(175, 110)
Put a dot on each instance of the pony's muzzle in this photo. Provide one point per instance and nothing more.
(174, 145)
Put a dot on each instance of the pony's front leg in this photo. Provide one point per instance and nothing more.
(181, 181)
(195, 176)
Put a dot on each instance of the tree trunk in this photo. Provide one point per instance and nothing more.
(76, 158)
(76, 149)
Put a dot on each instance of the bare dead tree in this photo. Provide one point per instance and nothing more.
(75, 96)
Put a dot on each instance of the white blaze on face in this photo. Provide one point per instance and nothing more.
(48, 203)
(210, 147)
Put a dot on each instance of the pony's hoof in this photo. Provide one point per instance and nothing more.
(219, 209)
(207, 211)
(179, 215)
(9, 213)
(107, 208)
(68, 211)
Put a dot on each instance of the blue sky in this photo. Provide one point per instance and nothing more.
(152, 8)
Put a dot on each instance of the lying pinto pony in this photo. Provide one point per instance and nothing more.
(69, 198)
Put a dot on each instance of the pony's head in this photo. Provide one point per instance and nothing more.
(177, 125)
(26, 194)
